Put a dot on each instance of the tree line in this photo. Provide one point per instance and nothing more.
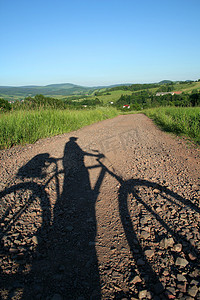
(135, 87)
(137, 101)
(42, 102)
(143, 99)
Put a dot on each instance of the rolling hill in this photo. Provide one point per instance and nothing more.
(67, 89)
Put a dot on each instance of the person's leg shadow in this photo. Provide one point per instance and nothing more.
(74, 230)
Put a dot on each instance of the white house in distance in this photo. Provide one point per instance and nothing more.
(165, 93)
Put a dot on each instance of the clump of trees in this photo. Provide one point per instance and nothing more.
(38, 102)
(4, 105)
(83, 103)
(43, 102)
(135, 87)
(144, 99)
(166, 88)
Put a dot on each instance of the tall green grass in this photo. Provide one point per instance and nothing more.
(20, 127)
(179, 120)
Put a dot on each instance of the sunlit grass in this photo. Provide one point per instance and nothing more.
(21, 127)
(179, 120)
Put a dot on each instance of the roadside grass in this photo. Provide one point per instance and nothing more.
(21, 127)
(183, 121)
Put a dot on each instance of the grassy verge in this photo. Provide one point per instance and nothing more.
(22, 127)
(179, 120)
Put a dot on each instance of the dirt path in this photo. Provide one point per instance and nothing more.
(110, 211)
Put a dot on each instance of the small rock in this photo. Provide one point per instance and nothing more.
(165, 273)
(182, 262)
(193, 242)
(181, 287)
(167, 243)
(171, 291)
(145, 235)
(35, 240)
(17, 242)
(181, 278)
(147, 228)
(115, 274)
(194, 282)
(192, 291)
(194, 274)
(136, 279)
(195, 187)
(178, 247)
(142, 294)
(156, 191)
(169, 296)
(192, 256)
(149, 253)
(13, 250)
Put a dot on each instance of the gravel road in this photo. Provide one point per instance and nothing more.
(110, 211)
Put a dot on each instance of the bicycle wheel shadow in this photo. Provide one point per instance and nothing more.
(154, 210)
(18, 204)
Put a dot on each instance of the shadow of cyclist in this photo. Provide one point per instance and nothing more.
(71, 264)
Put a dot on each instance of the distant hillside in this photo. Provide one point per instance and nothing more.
(165, 82)
(64, 89)
(67, 89)
(52, 89)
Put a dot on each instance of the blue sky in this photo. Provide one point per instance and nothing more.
(98, 42)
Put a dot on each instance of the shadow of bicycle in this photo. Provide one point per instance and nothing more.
(49, 231)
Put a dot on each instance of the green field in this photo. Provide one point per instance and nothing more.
(187, 87)
(115, 95)
(21, 127)
(106, 99)
(183, 121)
